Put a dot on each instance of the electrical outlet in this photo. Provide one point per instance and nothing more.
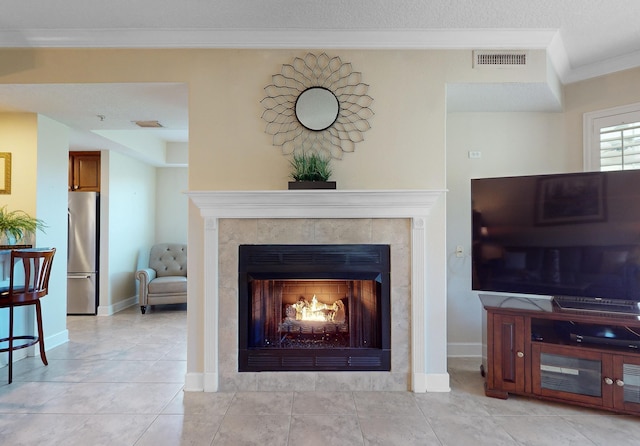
(475, 154)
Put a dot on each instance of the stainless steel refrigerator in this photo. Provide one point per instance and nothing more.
(82, 261)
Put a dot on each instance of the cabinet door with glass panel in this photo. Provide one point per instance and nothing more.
(626, 382)
(567, 373)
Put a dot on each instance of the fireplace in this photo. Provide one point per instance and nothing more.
(411, 222)
(314, 308)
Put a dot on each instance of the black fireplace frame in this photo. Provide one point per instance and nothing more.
(343, 262)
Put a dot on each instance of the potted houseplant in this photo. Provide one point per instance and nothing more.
(311, 171)
(15, 225)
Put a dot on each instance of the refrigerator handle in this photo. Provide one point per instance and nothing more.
(68, 232)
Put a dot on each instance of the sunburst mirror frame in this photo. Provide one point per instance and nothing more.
(313, 72)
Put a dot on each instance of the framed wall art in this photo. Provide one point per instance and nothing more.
(5, 173)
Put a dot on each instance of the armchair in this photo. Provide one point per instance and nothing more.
(164, 280)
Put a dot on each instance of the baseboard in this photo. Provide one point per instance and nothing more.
(199, 382)
(194, 382)
(17, 356)
(50, 342)
(109, 310)
(53, 341)
(437, 382)
(430, 382)
(464, 349)
(210, 382)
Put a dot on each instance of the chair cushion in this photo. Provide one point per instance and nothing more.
(169, 259)
(168, 285)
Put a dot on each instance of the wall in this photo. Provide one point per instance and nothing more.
(38, 147)
(19, 137)
(229, 150)
(129, 197)
(600, 93)
(171, 205)
(52, 198)
(511, 144)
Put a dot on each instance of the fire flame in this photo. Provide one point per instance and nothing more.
(315, 311)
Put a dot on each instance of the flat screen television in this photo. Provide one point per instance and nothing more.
(574, 236)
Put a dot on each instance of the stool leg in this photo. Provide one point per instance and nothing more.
(10, 365)
(43, 356)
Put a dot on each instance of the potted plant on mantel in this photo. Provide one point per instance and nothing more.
(311, 171)
(16, 225)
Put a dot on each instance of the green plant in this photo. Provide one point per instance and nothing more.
(310, 167)
(18, 223)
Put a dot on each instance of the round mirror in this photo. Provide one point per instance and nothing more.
(317, 108)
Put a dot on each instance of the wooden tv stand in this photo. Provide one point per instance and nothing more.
(537, 349)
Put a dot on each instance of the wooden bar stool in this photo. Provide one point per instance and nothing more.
(35, 266)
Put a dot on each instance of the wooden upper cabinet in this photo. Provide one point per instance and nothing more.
(84, 171)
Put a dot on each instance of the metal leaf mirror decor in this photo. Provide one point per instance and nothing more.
(317, 104)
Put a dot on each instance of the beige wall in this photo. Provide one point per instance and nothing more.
(20, 138)
(229, 150)
(171, 205)
(600, 93)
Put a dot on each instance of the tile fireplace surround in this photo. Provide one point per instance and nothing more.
(399, 218)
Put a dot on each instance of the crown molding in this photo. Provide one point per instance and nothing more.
(276, 38)
(604, 67)
(548, 39)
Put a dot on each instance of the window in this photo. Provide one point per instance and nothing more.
(620, 147)
(612, 139)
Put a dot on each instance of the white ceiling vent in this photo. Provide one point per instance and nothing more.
(499, 58)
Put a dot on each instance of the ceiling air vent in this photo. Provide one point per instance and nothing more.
(499, 58)
(148, 124)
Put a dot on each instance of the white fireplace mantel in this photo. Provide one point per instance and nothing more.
(315, 203)
(428, 304)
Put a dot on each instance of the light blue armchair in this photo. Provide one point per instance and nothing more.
(164, 280)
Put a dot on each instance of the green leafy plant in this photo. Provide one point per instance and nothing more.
(310, 167)
(18, 223)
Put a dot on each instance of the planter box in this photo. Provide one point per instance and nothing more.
(312, 185)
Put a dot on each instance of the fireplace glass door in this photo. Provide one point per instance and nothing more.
(314, 314)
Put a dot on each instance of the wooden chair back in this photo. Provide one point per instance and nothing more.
(35, 266)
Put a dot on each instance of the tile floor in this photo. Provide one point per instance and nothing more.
(119, 382)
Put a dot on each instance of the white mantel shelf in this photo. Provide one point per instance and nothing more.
(428, 303)
(315, 203)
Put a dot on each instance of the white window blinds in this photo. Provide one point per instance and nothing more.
(620, 147)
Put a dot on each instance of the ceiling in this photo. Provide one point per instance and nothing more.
(583, 38)
(101, 116)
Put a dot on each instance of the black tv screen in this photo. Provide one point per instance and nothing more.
(558, 235)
